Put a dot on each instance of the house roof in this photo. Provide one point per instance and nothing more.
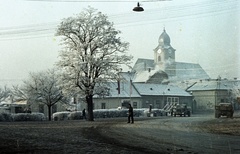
(21, 102)
(125, 90)
(139, 89)
(159, 89)
(215, 85)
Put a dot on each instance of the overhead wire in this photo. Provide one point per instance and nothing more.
(95, 1)
(130, 20)
(183, 14)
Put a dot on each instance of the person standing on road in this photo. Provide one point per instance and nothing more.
(130, 114)
(84, 114)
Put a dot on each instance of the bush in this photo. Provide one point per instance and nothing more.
(28, 117)
(75, 115)
(113, 113)
(158, 112)
(154, 113)
(59, 116)
(103, 113)
(5, 116)
(139, 112)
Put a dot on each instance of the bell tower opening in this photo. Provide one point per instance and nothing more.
(159, 58)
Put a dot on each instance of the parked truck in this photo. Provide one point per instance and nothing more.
(181, 109)
(224, 109)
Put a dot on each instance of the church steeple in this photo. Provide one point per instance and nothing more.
(164, 39)
(164, 53)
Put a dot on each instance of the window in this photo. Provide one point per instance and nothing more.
(103, 106)
(176, 100)
(18, 109)
(172, 100)
(157, 103)
(125, 103)
(134, 104)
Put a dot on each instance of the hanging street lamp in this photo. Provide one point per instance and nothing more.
(138, 8)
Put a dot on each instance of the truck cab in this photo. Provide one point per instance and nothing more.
(182, 110)
(224, 109)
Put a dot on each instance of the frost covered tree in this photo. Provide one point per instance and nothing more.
(5, 92)
(41, 87)
(235, 93)
(92, 55)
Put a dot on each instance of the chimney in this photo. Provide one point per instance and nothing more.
(149, 70)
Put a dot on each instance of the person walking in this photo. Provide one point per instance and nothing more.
(130, 114)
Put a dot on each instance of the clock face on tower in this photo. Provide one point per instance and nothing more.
(160, 50)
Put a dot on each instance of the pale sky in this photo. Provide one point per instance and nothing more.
(202, 31)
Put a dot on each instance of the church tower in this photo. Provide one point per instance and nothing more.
(164, 55)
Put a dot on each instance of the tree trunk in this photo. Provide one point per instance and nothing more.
(49, 113)
(89, 99)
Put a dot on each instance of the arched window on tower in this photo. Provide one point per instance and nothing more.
(159, 58)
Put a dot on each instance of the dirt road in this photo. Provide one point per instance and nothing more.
(196, 134)
(177, 135)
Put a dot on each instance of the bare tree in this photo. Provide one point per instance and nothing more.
(43, 88)
(93, 53)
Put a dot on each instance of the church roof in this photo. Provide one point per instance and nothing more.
(184, 71)
(190, 71)
(153, 76)
(143, 64)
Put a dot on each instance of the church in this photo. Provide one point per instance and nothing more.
(155, 81)
(164, 68)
